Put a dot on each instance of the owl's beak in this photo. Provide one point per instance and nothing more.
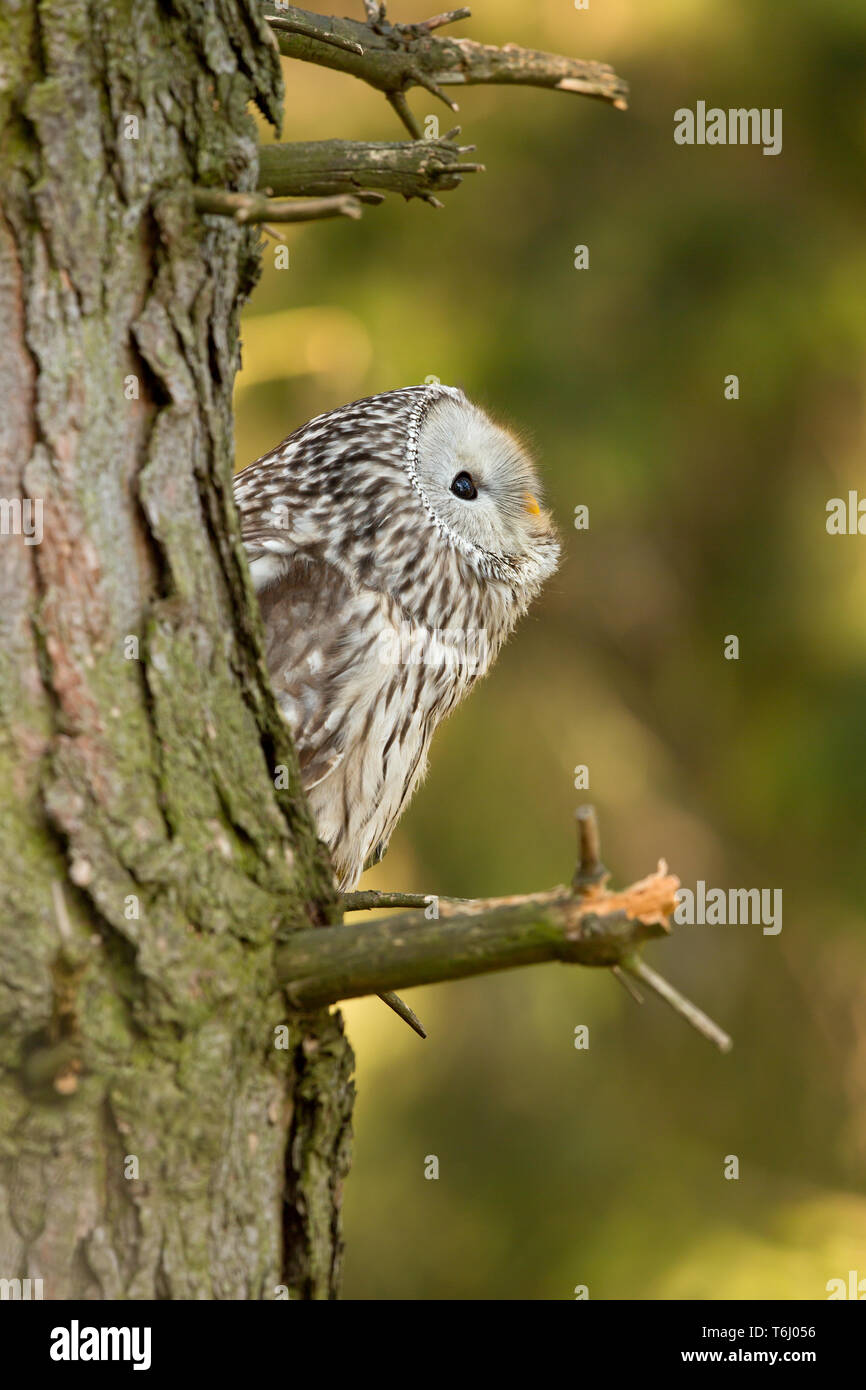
(531, 505)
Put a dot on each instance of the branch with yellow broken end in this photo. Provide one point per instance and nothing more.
(584, 924)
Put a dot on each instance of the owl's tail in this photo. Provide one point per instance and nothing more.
(396, 1003)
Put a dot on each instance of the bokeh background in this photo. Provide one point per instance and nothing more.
(605, 1167)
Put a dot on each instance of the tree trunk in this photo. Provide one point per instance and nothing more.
(156, 1141)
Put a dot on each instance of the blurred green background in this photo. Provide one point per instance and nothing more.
(605, 1167)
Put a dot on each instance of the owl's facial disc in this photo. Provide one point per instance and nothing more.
(480, 483)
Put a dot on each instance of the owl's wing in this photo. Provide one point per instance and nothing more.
(279, 523)
(306, 611)
(327, 490)
(303, 596)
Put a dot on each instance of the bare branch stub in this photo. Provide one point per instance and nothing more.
(367, 900)
(322, 168)
(311, 31)
(246, 208)
(397, 99)
(590, 872)
(402, 1010)
(439, 20)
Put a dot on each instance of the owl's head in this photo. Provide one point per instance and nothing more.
(479, 483)
(415, 491)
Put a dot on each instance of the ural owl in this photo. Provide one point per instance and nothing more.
(393, 543)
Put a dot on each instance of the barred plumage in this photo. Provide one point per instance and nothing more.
(388, 584)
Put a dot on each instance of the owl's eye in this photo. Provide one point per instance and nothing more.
(464, 488)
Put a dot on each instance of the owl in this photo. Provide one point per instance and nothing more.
(393, 544)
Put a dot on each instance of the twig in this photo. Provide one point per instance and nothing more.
(256, 207)
(320, 168)
(366, 901)
(626, 983)
(449, 17)
(401, 1008)
(354, 902)
(313, 31)
(590, 871)
(397, 99)
(678, 1002)
(447, 907)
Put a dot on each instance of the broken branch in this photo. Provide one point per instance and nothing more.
(396, 57)
(320, 168)
(586, 925)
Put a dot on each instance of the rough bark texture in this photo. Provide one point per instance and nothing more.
(144, 784)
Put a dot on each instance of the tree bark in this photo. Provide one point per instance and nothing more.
(155, 1141)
